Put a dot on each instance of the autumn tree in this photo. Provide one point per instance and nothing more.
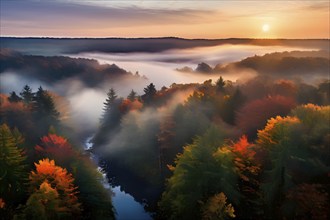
(96, 201)
(248, 170)
(44, 203)
(296, 148)
(57, 178)
(56, 147)
(254, 114)
(217, 208)
(13, 173)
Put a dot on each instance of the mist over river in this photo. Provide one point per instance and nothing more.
(161, 68)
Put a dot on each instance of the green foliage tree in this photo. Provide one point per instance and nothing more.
(294, 145)
(95, 199)
(13, 175)
(44, 204)
(204, 169)
(216, 208)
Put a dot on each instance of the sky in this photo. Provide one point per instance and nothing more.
(207, 19)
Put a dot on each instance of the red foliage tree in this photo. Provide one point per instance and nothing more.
(56, 147)
(253, 116)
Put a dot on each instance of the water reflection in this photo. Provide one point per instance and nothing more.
(126, 206)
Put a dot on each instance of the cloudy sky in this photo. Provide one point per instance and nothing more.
(187, 19)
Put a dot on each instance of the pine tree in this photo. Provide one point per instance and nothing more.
(44, 111)
(109, 102)
(14, 97)
(12, 166)
(27, 94)
(149, 93)
(220, 84)
(132, 95)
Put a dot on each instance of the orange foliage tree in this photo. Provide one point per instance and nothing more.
(59, 179)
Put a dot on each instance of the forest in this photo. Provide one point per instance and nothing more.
(257, 149)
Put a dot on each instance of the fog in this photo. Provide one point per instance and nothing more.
(141, 125)
(160, 68)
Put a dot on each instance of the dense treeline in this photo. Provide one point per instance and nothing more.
(220, 150)
(52, 69)
(215, 150)
(42, 175)
(279, 65)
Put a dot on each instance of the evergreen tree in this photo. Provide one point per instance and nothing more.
(149, 93)
(109, 102)
(14, 97)
(220, 84)
(12, 167)
(27, 94)
(45, 111)
(132, 95)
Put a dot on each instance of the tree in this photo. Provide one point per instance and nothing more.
(220, 84)
(44, 204)
(253, 115)
(216, 208)
(111, 97)
(205, 168)
(132, 95)
(59, 179)
(57, 148)
(149, 93)
(44, 111)
(13, 173)
(297, 149)
(14, 97)
(27, 94)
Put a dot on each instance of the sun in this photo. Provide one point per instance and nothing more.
(265, 27)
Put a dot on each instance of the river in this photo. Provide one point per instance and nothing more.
(126, 207)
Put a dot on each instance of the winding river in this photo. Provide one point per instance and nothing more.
(126, 207)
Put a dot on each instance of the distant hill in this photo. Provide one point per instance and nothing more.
(56, 46)
(285, 64)
(293, 64)
(57, 68)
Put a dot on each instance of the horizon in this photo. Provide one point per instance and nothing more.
(153, 19)
(157, 37)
